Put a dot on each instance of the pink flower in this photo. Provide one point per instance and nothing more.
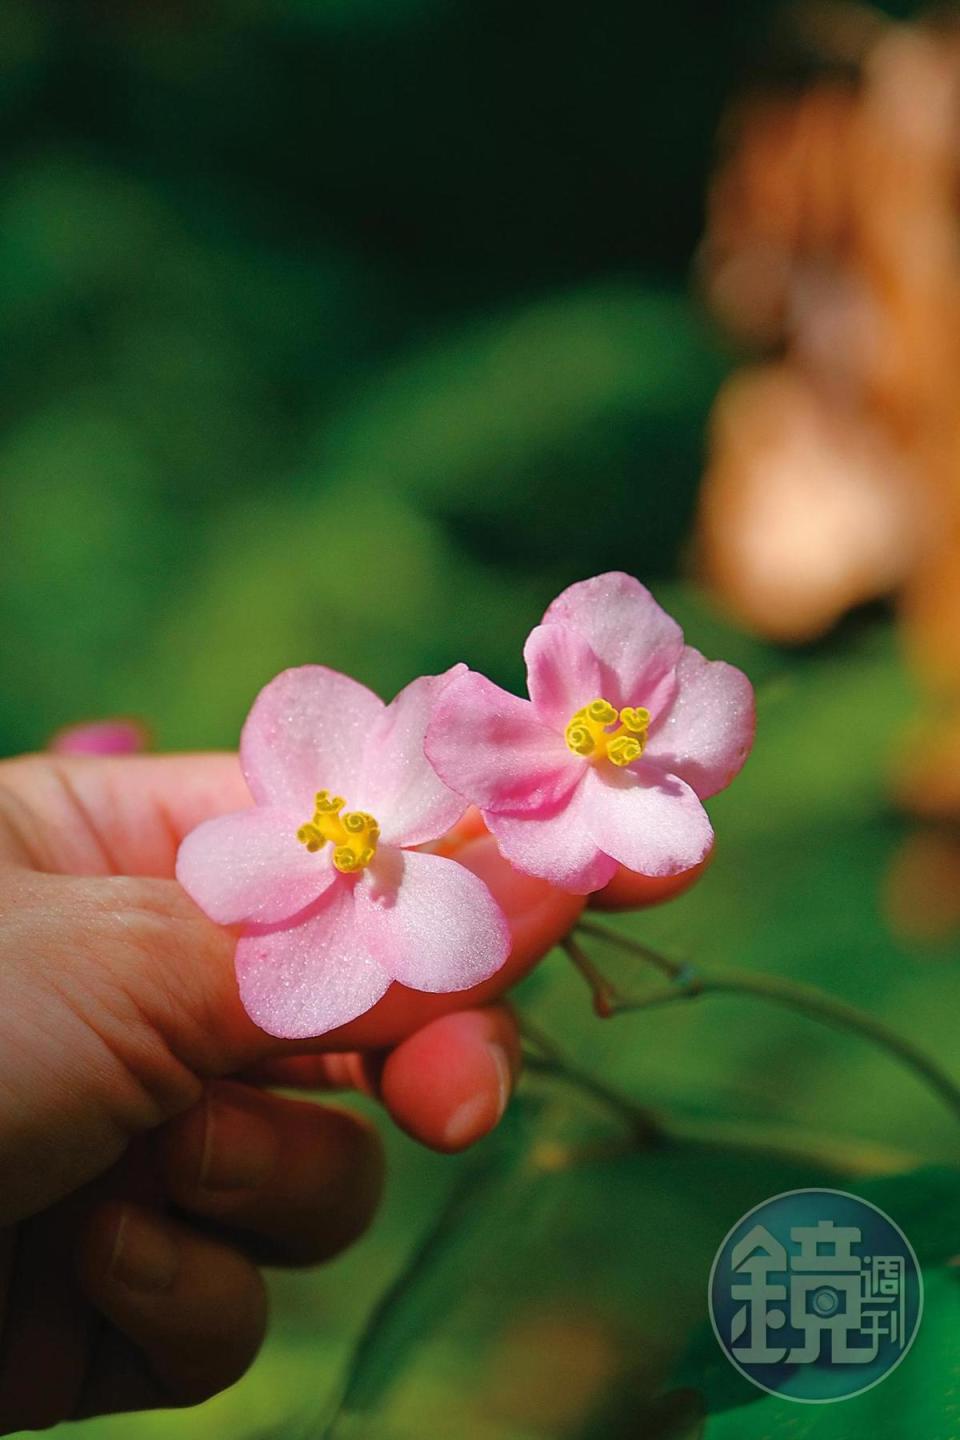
(324, 870)
(625, 732)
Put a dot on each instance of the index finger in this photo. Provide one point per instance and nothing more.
(112, 815)
(126, 815)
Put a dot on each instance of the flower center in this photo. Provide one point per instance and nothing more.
(353, 834)
(589, 733)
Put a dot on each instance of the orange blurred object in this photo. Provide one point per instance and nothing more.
(805, 512)
(928, 774)
(832, 249)
(923, 886)
(833, 241)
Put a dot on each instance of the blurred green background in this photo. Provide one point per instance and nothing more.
(350, 331)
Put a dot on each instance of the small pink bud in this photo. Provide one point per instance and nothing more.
(101, 737)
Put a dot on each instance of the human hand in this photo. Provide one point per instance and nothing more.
(146, 1169)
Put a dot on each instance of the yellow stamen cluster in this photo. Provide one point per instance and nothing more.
(589, 733)
(353, 834)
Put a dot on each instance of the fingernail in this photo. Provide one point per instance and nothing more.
(473, 1118)
(501, 1062)
(144, 1257)
(240, 1149)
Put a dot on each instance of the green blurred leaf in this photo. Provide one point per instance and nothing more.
(353, 579)
(926, 1205)
(576, 1257)
(77, 501)
(569, 426)
(920, 1397)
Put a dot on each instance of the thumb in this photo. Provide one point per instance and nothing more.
(128, 814)
(116, 1002)
(117, 996)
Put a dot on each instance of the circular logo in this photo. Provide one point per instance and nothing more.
(815, 1295)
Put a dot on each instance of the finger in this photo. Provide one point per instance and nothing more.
(193, 1307)
(45, 1316)
(154, 1004)
(113, 815)
(143, 987)
(449, 1083)
(445, 1108)
(126, 815)
(118, 1377)
(630, 891)
(297, 1182)
(8, 1238)
(538, 916)
(177, 967)
(339, 1070)
(153, 1011)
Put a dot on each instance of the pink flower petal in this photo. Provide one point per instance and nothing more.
(563, 673)
(650, 822)
(556, 845)
(636, 642)
(491, 748)
(431, 923)
(301, 980)
(706, 735)
(251, 866)
(306, 732)
(399, 786)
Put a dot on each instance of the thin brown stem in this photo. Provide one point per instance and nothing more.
(673, 969)
(839, 1154)
(794, 995)
(643, 1126)
(607, 1000)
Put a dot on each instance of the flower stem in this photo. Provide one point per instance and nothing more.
(839, 1154)
(674, 969)
(794, 995)
(644, 1127)
(607, 1000)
